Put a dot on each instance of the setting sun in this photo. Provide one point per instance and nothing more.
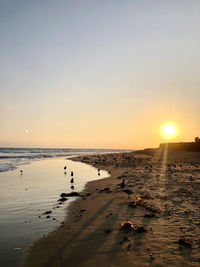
(169, 130)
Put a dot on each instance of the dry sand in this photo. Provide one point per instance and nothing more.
(169, 186)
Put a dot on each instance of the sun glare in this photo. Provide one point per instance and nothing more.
(169, 130)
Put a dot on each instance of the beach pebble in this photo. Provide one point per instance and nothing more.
(107, 231)
(82, 210)
(62, 199)
(48, 212)
(149, 215)
(151, 256)
(72, 194)
(184, 242)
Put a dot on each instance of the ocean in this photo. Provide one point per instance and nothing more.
(26, 196)
(12, 158)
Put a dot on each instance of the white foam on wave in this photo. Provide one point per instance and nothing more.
(12, 158)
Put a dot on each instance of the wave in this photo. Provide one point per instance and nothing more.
(12, 158)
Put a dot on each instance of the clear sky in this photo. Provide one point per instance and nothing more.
(98, 73)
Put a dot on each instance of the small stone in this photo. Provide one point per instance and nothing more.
(184, 242)
(48, 212)
(62, 199)
(107, 231)
(82, 210)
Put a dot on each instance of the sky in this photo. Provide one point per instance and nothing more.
(98, 73)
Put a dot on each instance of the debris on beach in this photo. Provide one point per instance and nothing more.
(48, 212)
(152, 208)
(82, 210)
(127, 226)
(151, 256)
(107, 231)
(149, 215)
(182, 241)
(132, 204)
(72, 194)
(149, 206)
(62, 199)
(106, 189)
(139, 200)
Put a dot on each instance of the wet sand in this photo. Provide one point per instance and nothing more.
(164, 206)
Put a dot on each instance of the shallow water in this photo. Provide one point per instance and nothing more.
(25, 197)
(11, 158)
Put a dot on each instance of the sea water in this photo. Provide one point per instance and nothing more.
(11, 158)
(26, 196)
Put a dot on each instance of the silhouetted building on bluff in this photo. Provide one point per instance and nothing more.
(182, 146)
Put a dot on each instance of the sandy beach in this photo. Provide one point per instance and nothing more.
(156, 191)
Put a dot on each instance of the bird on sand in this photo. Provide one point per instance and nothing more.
(72, 174)
(72, 180)
(21, 171)
(72, 187)
(65, 167)
(128, 192)
(122, 185)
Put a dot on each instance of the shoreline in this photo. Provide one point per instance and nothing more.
(91, 234)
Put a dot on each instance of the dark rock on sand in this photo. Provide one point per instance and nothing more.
(132, 204)
(72, 194)
(62, 199)
(106, 189)
(107, 231)
(48, 212)
(149, 215)
(184, 242)
(82, 210)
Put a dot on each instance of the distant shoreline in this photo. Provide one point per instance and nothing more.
(181, 146)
